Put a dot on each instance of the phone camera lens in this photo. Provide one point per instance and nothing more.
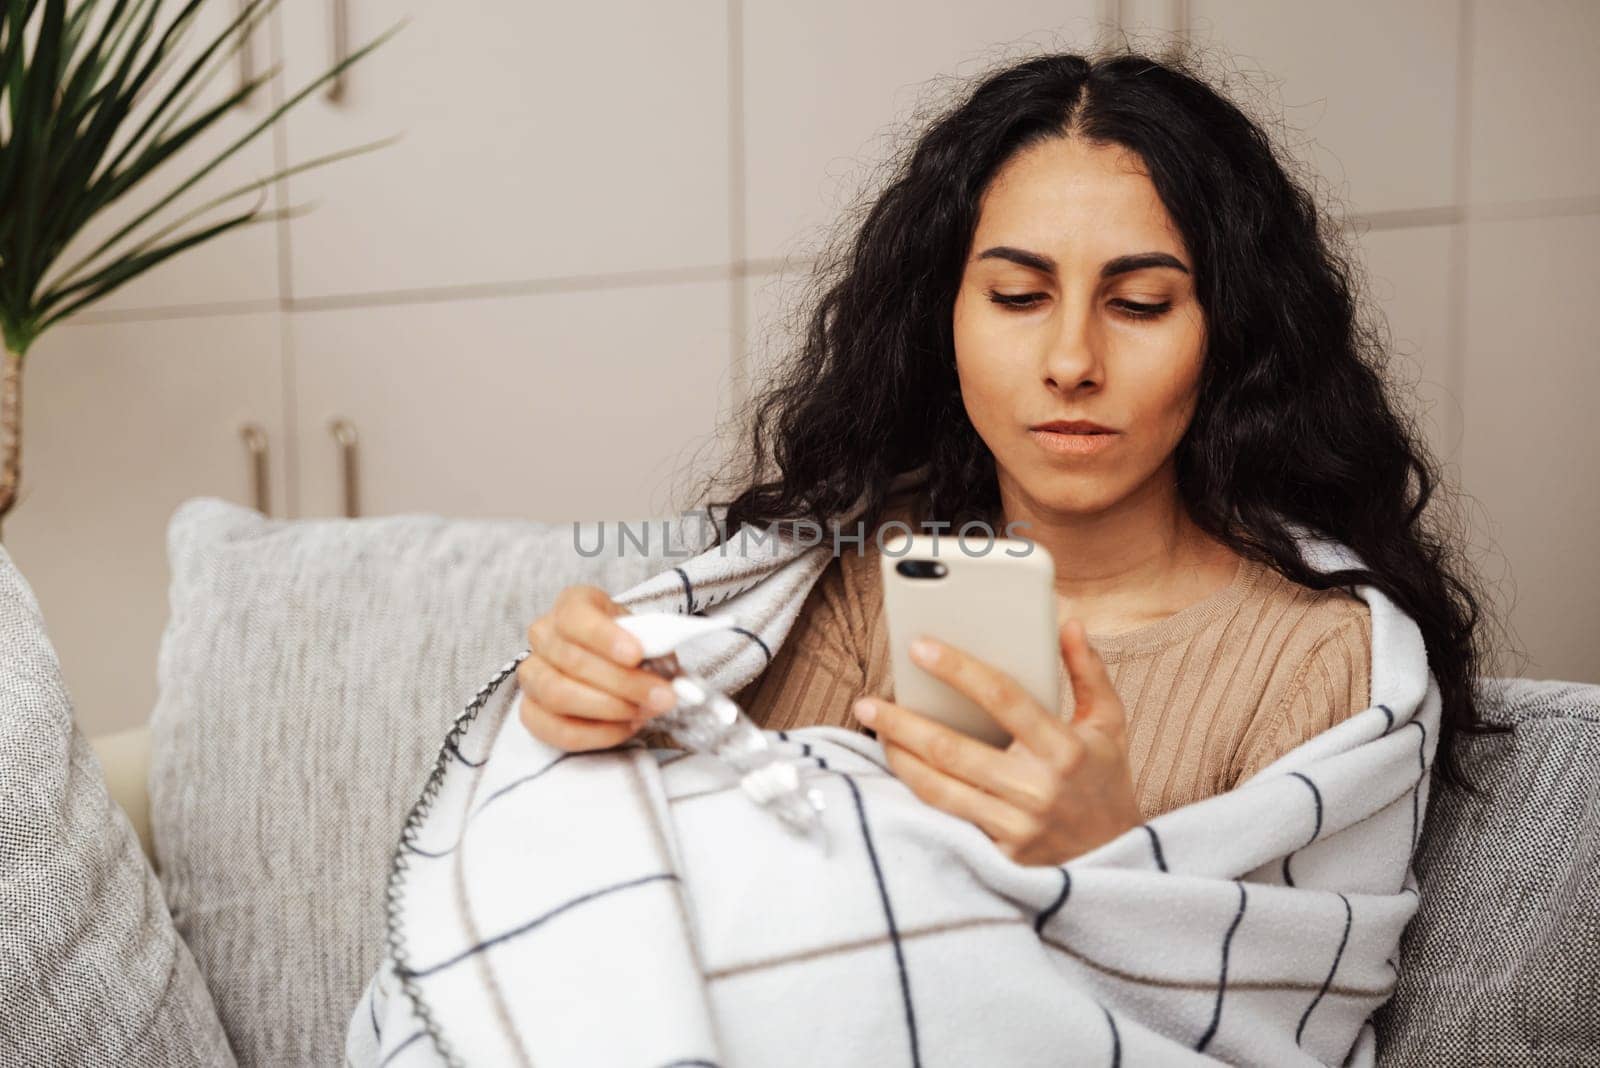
(920, 569)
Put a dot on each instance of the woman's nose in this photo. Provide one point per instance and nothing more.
(1073, 360)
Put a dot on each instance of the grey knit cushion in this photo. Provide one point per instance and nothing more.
(308, 673)
(1501, 965)
(91, 970)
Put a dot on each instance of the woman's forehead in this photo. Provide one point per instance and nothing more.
(1070, 198)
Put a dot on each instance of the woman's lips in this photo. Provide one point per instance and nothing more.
(1074, 442)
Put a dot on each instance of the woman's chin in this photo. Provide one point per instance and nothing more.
(1077, 503)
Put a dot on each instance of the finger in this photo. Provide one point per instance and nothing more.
(1096, 699)
(1000, 821)
(955, 754)
(586, 615)
(644, 689)
(568, 696)
(568, 734)
(996, 693)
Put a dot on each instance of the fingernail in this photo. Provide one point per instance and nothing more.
(660, 699)
(865, 711)
(924, 650)
(623, 649)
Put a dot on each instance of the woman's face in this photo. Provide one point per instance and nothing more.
(1077, 308)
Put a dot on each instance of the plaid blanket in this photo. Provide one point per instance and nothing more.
(632, 907)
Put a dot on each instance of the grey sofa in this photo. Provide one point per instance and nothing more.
(310, 669)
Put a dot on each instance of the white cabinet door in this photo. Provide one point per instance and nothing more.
(1366, 90)
(122, 423)
(1531, 449)
(830, 84)
(585, 405)
(240, 267)
(538, 141)
(1535, 103)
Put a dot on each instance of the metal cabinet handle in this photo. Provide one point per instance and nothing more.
(255, 443)
(344, 432)
(247, 50)
(339, 36)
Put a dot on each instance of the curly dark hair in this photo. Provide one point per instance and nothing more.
(1294, 423)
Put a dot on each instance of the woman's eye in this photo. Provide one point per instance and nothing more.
(1130, 308)
(1016, 300)
(1135, 310)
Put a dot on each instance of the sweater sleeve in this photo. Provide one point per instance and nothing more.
(1331, 684)
(816, 673)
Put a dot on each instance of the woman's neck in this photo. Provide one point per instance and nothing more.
(1130, 565)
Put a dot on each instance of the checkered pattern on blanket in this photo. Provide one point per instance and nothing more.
(630, 906)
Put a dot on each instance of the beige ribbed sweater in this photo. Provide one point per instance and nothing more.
(1212, 693)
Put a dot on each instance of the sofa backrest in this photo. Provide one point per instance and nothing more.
(307, 675)
(1501, 964)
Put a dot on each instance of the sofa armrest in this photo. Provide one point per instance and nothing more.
(125, 761)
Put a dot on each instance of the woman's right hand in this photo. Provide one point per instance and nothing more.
(581, 685)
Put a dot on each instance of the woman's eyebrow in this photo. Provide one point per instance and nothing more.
(1038, 261)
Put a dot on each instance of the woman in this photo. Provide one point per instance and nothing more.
(1093, 302)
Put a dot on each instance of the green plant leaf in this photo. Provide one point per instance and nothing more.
(79, 158)
(129, 268)
(226, 153)
(38, 91)
(188, 76)
(182, 108)
(86, 72)
(18, 14)
(32, 204)
(112, 186)
(58, 288)
(94, 101)
(115, 185)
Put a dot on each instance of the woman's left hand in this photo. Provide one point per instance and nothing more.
(1059, 790)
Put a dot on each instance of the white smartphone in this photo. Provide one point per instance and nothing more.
(993, 598)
